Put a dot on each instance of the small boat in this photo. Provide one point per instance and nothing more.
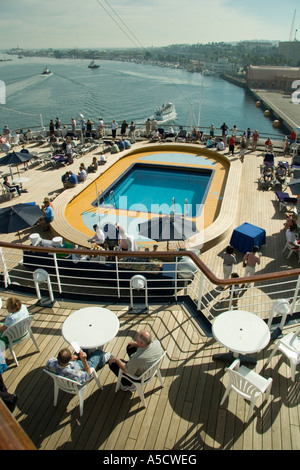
(46, 71)
(166, 112)
(93, 65)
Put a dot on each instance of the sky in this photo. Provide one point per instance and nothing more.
(135, 23)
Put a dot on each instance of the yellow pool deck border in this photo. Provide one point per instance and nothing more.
(220, 204)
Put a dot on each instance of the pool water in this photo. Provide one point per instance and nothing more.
(159, 189)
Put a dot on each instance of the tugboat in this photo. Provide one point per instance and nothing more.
(93, 65)
(46, 71)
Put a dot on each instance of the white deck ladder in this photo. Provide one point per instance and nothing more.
(173, 206)
(186, 207)
(112, 196)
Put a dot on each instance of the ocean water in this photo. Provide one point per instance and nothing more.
(120, 90)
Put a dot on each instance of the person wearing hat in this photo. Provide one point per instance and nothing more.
(47, 201)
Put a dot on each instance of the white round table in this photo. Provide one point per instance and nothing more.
(91, 327)
(242, 333)
(20, 180)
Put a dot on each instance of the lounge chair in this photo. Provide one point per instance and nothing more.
(295, 162)
(162, 132)
(269, 159)
(285, 200)
(181, 136)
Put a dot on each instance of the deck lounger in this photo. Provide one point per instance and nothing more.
(285, 200)
(269, 159)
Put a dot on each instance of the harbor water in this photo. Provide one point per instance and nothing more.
(121, 90)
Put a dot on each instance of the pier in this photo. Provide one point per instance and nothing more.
(280, 106)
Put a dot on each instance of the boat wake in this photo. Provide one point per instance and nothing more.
(22, 85)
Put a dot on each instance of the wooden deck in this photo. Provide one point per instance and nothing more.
(185, 414)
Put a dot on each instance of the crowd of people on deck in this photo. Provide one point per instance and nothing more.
(121, 240)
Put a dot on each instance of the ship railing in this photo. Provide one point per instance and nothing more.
(141, 131)
(173, 275)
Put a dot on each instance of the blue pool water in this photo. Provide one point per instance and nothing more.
(152, 188)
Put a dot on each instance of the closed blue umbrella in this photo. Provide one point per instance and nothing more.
(168, 228)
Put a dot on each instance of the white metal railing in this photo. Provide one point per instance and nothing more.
(169, 275)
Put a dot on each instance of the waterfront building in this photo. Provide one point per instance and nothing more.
(271, 77)
(290, 50)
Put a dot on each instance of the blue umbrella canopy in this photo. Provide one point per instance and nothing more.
(19, 217)
(16, 158)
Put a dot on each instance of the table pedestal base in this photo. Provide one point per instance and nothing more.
(138, 309)
(230, 357)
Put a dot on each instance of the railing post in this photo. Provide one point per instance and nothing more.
(118, 278)
(5, 270)
(200, 290)
(57, 273)
(176, 277)
(296, 292)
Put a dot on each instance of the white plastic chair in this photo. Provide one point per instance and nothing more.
(291, 250)
(281, 307)
(71, 386)
(246, 383)
(7, 191)
(18, 332)
(289, 345)
(143, 379)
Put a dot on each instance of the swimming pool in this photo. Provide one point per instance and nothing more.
(158, 189)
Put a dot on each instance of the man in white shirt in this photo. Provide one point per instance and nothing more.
(220, 145)
(292, 238)
(114, 127)
(100, 127)
(82, 175)
(99, 237)
(16, 139)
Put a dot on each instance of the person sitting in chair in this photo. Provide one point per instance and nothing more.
(94, 166)
(16, 312)
(75, 367)
(291, 237)
(82, 175)
(268, 175)
(48, 217)
(280, 173)
(11, 187)
(142, 354)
